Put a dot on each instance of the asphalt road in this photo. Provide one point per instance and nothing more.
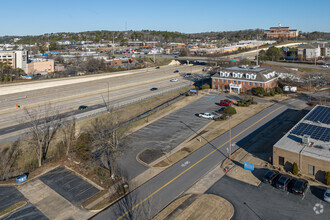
(267, 202)
(165, 187)
(297, 65)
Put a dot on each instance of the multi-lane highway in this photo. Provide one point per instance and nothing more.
(157, 193)
(67, 94)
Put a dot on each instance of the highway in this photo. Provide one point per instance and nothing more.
(147, 200)
(69, 93)
(297, 65)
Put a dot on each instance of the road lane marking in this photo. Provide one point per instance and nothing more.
(185, 163)
(199, 161)
(318, 208)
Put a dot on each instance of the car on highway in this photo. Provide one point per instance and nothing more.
(271, 177)
(176, 71)
(187, 75)
(298, 186)
(282, 182)
(228, 101)
(223, 103)
(153, 89)
(325, 66)
(206, 115)
(326, 196)
(157, 67)
(82, 107)
(174, 80)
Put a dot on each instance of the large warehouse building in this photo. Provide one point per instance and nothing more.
(307, 144)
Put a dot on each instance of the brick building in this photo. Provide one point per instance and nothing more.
(244, 79)
(285, 32)
(306, 144)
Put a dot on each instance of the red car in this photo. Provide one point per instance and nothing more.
(222, 103)
(228, 101)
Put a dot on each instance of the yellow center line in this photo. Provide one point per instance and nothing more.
(183, 172)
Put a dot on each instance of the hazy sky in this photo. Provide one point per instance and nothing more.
(22, 17)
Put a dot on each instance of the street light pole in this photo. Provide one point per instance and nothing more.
(229, 139)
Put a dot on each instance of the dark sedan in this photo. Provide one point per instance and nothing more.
(82, 107)
(270, 177)
(153, 89)
(299, 186)
(282, 182)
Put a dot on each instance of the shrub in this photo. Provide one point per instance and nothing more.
(327, 178)
(258, 91)
(295, 169)
(82, 146)
(278, 90)
(205, 86)
(229, 110)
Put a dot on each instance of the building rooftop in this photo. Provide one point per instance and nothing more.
(255, 74)
(316, 124)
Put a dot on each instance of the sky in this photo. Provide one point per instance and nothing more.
(34, 17)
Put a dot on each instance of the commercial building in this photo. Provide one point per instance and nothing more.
(40, 66)
(16, 59)
(244, 79)
(306, 144)
(309, 52)
(284, 32)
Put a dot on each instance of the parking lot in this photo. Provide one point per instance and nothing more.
(167, 132)
(9, 195)
(267, 202)
(70, 186)
(28, 212)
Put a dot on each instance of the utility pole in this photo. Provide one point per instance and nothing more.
(257, 50)
(154, 52)
(108, 98)
(113, 44)
(229, 139)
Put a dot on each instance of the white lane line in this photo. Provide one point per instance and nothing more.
(185, 163)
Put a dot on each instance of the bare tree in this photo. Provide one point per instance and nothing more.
(108, 140)
(69, 135)
(133, 207)
(44, 122)
(8, 159)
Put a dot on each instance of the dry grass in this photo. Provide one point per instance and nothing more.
(12, 208)
(170, 208)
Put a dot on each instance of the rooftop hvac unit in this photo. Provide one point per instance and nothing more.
(306, 139)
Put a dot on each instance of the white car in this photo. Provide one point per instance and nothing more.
(206, 115)
(174, 80)
(327, 195)
(325, 66)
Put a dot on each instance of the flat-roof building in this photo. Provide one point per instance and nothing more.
(244, 79)
(307, 144)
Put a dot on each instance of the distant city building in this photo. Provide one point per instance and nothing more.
(244, 79)
(284, 32)
(63, 42)
(16, 59)
(306, 144)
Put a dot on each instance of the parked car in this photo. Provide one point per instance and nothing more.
(173, 80)
(327, 195)
(176, 71)
(222, 103)
(270, 177)
(206, 115)
(228, 101)
(82, 107)
(157, 67)
(187, 75)
(153, 89)
(298, 186)
(282, 182)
